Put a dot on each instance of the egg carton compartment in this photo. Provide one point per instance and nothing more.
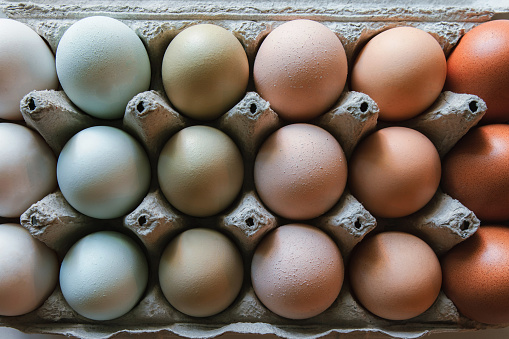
(150, 117)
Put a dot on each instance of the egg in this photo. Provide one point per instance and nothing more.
(479, 65)
(28, 271)
(476, 275)
(200, 171)
(201, 272)
(205, 71)
(394, 172)
(102, 64)
(26, 64)
(300, 171)
(103, 275)
(103, 172)
(297, 271)
(395, 275)
(476, 172)
(27, 169)
(403, 69)
(301, 69)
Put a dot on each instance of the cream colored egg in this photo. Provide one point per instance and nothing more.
(27, 169)
(205, 71)
(200, 171)
(26, 64)
(28, 271)
(201, 272)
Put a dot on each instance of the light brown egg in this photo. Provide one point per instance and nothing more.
(395, 275)
(480, 65)
(297, 271)
(394, 172)
(476, 275)
(300, 171)
(403, 69)
(300, 69)
(476, 172)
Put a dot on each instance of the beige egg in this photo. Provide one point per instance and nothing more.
(403, 69)
(300, 171)
(394, 172)
(200, 171)
(201, 272)
(205, 71)
(297, 271)
(395, 275)
(28, 271)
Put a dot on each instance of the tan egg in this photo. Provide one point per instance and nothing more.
(395, 275)
(201, 272)
(297, 271)
(394, 172)
(28, 271)
(300, 171)
(205, 71)
(200, 171)
(403, 69)
(300, 69)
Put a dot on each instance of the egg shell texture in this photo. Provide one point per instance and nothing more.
(395, 275)
(102, 64)
(476, 172)
(103, 275)
(26, 64)
(301, 69)
(479, 65)
(201, 272)
(394, 172)
(300, 171)
(297, 271)
(476, 275)
(27, 169)
(28, 271)
(403, 69)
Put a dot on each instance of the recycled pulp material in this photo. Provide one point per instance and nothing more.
(149, 116)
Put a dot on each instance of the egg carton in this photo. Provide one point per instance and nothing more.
(150, 117)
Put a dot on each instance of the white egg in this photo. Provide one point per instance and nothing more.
(28, 271)
(103, 275)
(103, 172)
(27, 169)
(26, 64)
(102, 64)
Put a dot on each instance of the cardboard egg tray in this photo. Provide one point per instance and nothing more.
(149, 116)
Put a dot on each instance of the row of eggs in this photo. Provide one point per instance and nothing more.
(300, 68)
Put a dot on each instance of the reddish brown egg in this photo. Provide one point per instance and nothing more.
(476, 275)
(476, 172)
(480, 65)
(394, 172)
(395, 275)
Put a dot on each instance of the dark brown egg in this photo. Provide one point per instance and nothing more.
(476, 275)
(476, 172)
(480, 65)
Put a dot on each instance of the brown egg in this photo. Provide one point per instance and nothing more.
(395, 275)
(297, 271)
(394, 172)
(300, 171)
(476, 172)
(480, 65)
(403, 69)
(476, 275)
(300, 69)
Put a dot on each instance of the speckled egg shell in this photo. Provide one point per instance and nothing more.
(476, 172)
(476, 275)
(480, 65)
(297, 271)
(300, 69)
